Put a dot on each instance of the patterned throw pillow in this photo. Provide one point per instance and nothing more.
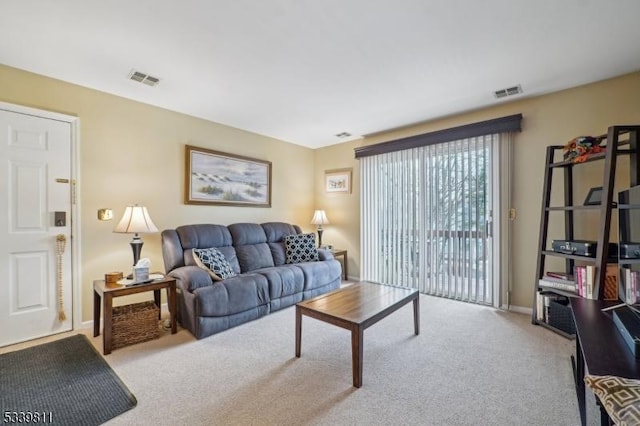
(619, 396)
(214, 262)
(300, 248)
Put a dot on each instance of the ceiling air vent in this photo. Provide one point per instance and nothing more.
(510, 91)
(143, 78)
(343, 134)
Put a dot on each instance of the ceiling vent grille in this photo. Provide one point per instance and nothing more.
(510, 91)
(143, 78)
(343, 134)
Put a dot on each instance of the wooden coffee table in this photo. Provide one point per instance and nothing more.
(355, 308)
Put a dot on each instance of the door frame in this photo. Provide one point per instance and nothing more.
(75, 245)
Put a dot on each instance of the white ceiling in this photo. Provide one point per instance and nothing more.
(305, 70)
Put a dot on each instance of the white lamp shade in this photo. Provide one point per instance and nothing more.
(319, 218)
(135, 219)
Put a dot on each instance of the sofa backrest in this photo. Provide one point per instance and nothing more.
(247, 246)
(275, 232)
(251, 246)
(177, 245)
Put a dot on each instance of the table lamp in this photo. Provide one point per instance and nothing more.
(136, 220)
(319, 218)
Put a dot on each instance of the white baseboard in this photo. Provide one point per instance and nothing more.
(518, 309)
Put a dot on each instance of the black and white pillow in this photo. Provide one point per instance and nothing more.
(214, 262)
(300, 248)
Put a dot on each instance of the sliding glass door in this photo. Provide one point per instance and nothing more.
(427, 219)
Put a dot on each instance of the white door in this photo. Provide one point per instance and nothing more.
(35, 183)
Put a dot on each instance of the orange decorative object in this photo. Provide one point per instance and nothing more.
(579, 149)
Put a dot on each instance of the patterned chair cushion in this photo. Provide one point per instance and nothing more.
(300, 248)
(619, 396)
(214, 262)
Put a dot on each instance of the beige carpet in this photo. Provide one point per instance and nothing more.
(470, 365)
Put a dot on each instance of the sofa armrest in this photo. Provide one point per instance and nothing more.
(324, 254)
(188, 278)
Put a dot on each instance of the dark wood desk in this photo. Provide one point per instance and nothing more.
(600, 348)
(357, 307)
(109, 291)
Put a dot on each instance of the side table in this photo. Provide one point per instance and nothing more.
(343, 253)
(106, 292)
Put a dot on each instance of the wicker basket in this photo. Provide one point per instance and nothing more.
(134, 324)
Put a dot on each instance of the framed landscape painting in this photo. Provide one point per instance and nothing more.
(218, 178)
(338, 180)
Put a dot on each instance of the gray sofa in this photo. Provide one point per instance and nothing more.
(265, 283)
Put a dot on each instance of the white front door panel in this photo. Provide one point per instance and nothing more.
(35, 182)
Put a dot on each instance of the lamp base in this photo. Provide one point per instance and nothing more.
(320, 230)
(136, 247)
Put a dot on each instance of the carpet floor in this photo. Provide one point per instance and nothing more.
(471, 365)
(64, 382)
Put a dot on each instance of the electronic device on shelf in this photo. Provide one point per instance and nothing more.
(581, 248)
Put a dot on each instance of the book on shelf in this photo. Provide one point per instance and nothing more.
(590, 272)
(562, 285)
(561, 275)
(585, 280)
(543, 303)
(547, 277)
(631, 286)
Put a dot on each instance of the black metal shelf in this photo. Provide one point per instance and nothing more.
(585, 259)
(575, 208)
(613, 149)
(628, 206)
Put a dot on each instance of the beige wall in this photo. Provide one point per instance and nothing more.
(134, 153)
(547, 120)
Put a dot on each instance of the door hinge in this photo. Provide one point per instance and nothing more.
(512, 214)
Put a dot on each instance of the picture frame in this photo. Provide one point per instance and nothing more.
(219, 178)
(338, 181)
(594, 197)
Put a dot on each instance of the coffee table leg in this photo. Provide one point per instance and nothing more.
(357, 349)
(416, 315)
(298, 330)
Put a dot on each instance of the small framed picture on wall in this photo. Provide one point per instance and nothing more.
(338, 181)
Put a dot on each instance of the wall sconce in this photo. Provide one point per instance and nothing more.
(105, 214)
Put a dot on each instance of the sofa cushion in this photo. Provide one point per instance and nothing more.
(231, 296)
(319, 274)
(214, 262)
(300, 248)
(283, 280)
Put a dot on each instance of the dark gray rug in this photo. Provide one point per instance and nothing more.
(66, 382)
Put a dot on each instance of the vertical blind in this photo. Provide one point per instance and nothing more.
(426, 218)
